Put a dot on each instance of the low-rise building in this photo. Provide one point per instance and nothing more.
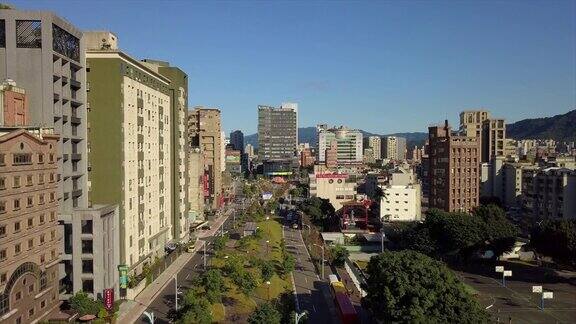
(549, 193)
(336, 187)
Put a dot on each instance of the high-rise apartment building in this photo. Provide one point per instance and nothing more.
(45, 55)
(348, 145)
(237, 140)
(401, 200)
(493, 139)
(491, 132)
(549, 193)
(178, 90)
(375, 143)
(471, 122)
(196, 187)
(278, 133)
(30, 238)
(394, 148)
(454, 175)
(249, 149)
(131, 154)
(205, 132)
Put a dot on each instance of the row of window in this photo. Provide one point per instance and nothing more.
(25, 158)
(18, 202)
(17, 224)
(18, 250)
(17, 183)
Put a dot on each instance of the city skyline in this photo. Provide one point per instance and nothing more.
(445, 58)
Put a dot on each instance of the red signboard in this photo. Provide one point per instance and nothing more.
(109, 299)
(331, 176)
(206, 185)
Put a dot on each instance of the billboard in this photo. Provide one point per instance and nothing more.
(123, 269)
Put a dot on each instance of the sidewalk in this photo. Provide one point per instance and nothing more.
(131, 311)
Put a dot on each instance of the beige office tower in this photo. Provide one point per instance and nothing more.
(491, 132)
(471, 122)
(375, 143)
(205, 132)
(196, 187)
(394, 148)
(130, 149)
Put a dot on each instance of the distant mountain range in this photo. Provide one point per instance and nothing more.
(559, 128)
(308, 135)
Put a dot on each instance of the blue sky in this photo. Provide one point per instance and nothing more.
(383, 66)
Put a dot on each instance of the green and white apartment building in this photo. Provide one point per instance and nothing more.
(136, 147)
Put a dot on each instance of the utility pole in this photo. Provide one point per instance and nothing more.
(176, 292)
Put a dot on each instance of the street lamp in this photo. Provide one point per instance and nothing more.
(268, 284)
(543, 295)
(505, 273)
(322, 247)
(299, 316)
(382, 236)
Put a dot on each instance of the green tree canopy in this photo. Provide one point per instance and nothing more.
(409, 287)
(267, 270)
(556, 239)
(220, 242)
(196, 309)
(84, 305)
(265, 314)
(339, 255)
(213, 283)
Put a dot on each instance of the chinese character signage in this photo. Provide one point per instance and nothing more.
(123, 269)
(109, 299)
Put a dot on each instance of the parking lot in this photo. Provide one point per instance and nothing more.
(516, 301)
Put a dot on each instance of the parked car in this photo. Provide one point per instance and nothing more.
(170, 247)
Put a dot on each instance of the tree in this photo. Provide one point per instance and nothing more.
(267, 270)
(84, 305)
(196, 309)
(556, 239)
(288, 264)
(408, 286)
(265, 314)
(246, 282)
(339, 254)
(213, 283)
(220, 242)
(499, 233)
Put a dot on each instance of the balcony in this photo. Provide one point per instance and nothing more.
(75, 84)
(76, 156)
(64, 80)
(77, 193)
(75, 120)
(56, 97)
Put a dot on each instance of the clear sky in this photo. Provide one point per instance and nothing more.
(382, 66)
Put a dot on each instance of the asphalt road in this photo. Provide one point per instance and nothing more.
(310, 289)
(163, 305)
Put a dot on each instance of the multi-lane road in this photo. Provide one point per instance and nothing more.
(312, 293)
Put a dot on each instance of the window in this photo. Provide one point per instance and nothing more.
(65, 43)
(40, 158)
(87, 226)
(42, 239)
(52, 216)
(2, 230)
(87, 246)
(2, 207)
(17, 248)
(18, 295)
(87, 266)
(29, 180)
(30, 222)
(52, 235)
(30, 201)
(2, 183)
(41, 178)
(3, 278)
(16, 204)
(28, 34)
(42, 218)
(16, 182)
(51, 196)
(88, 286)
(42, 304)
(31, 312)
(17, 227)
(2, 254)
(30, 244)
(2, 34)
(31, 288)
(22, 158)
